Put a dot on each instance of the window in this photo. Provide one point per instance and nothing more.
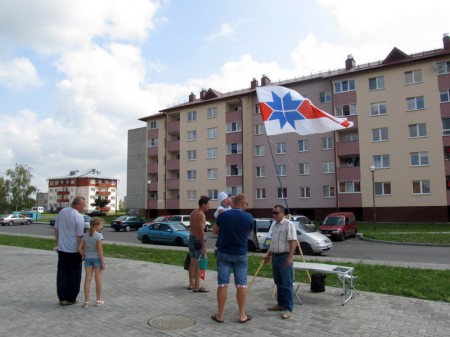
(233, 127)
(212, 152)
(304, 169)
(349, 186)
(256, 111)
(414, 76)
(212, 174)
(212, 112)
(380, 134)
(191, 175)
(212, 133)
(260, 193)
(376, 83)
(378, 109)
(192, 155)
(346, 110)
(327, 143)
(259, 129)
(281, 170)
(443, 68)
(446, 127)
(281, 148)
(417, 130)
(234, 170)
(213, 194)
(152, 142)
(153, 125)
(192, 116)
(445, 96)
(259, 150)
(303, 145)
(328, 191)
(192, 135)
(192, 195)
(419, 158)
(421, 187)
(349, 137)
(281, 192)
(325, 96)
(260, 171)
(382, 188)
(415, 103)
(305, 192)
(349, 161)
(328, 167)
(343, 86)
(381, 161)
(234, 148)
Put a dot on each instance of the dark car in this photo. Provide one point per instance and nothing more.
(95, 212)
(127, 223)
(172, 233)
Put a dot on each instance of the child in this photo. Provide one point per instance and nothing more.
(91, 250)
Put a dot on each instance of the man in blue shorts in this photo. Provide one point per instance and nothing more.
(233, 228)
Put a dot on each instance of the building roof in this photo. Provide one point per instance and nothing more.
(89, 173)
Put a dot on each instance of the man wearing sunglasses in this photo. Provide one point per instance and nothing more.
(282, 248)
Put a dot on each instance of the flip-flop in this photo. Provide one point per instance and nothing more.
(190, 288)
(200, 290)
(246, 320)
(214, 318)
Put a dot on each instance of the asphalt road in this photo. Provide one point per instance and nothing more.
(351, 248)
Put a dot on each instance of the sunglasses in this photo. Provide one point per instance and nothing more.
(276, 213)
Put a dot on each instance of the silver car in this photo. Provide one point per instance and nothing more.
(14, 219)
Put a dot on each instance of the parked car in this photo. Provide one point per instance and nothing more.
(339, 226)
(303, 220)
(87, 222)
(14, 219)
(38, 209)
(173, 233)
(186, 220)
(127, 223)
(95, 212)
(159, 219)
(256, 241)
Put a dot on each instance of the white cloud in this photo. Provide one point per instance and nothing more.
(225, 30)
(18, 74)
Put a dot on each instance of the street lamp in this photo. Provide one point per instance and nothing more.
(372, 169)
(146, 199)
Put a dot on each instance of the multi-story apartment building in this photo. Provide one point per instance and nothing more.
(392, 165)
(89, 184)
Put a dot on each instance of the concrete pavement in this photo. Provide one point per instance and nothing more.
(137, 293)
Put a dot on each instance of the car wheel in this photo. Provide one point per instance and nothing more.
(342, 237)
(251, 246)
(146, 240)
(306, 248)
(127, 228)
(11, 223)
(28, 222)
(356, 232)
(117, 229)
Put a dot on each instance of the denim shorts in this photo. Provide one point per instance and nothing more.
(237, 263)
(195, 247)
(92, 262)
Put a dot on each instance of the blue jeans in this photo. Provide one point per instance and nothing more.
(228, 262)
(284, 280)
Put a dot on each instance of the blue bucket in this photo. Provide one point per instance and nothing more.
(203, 262)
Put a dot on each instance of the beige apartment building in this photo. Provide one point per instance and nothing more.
(392, 165)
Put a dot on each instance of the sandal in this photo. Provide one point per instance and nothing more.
(99, 303)
(190, 288)
(200, 290)
(86, 305)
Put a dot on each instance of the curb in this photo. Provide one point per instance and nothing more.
(361, 237)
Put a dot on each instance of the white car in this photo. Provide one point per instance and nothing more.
(14, 219)
(186, 221)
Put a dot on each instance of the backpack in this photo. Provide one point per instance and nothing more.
(318, 283)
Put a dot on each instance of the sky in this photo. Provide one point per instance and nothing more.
(76, 75)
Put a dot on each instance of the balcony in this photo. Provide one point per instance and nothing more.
(173, 184)
(349, 173)
(350, 200)
(173, 165)
(173, 127)
(173, 146)
(62, 200)
(152, 204)
(152, 168)
(62, 192)
(153, 186)
(103, 193)
(347, 148)
(152, 151)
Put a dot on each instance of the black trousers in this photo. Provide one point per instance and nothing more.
(68, 278)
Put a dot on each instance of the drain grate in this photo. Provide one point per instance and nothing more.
(171, 321)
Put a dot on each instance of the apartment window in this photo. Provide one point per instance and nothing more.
(212, 174)
(234, 170)
(328, 191)
(233, 127)
(281, 170)
(350, 137)
(414, 76)
(234, 148)
(446, 127)
(325, 96)
(213, 194)
(443, 68)
(343, 86)
(304, 169)
(346, 110)
(303, 145)
(259, 150)
(281, 192)
(259, 129)
(212, 133)
(192, 116)
(376, 83)
(281, 148)
(192, 135)
(350, 186)
(445, 96)
(419, 158)
(305, 192)
(153, 125)
(260, 171)
(421, 187)
(191, 175)
(381, 161)
(212, 112)
(378, 109)
(327, 143)
(415, 103)
(212, 152)
(417, 130)
(152, 142)
(382, 188)
(256, 110)
(328, 167)
(260, 193)
(380, 135)
(192, 155)
(192, 195)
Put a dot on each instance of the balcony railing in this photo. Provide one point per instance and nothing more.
(62, 200)
(62, 192)
(103, 193)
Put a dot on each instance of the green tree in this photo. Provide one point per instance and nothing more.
(4, 205)
(100, 203)
(20, 187)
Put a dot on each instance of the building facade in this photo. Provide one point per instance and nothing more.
(89, 184)
(392, 165)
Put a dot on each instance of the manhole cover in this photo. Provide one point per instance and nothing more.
(171, 322)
